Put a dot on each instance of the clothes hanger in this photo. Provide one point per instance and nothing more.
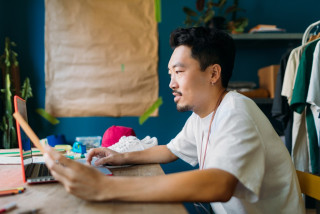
(315, 35)
(308, 30)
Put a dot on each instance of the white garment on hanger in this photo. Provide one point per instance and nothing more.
(300, 142)
(291, 72)
(314, 87)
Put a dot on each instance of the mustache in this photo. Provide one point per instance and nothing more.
(178, 92)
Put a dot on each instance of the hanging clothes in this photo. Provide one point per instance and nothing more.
(296, 83)
(291, 72)
(280, 108)
(299, 146)
(313, 97)
(299, 104)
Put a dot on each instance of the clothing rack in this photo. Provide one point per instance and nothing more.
(308, 30)
(297, 111)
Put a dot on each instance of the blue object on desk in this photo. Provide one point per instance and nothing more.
(56, 140)
(78, 147)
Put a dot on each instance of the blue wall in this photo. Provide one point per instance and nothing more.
(23, 22)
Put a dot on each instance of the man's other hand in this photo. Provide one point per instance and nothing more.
(105, 156)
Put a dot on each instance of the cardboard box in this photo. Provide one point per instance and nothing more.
(268, 77)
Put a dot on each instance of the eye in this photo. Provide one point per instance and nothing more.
(177, 72)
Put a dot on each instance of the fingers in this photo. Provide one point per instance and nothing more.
(76, 178)
(95, 152)
(101, 161)
(55, 156)
(53, 166)
(90, 155)
(111, 159)
(59, 165)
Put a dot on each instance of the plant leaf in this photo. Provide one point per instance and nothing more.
(26, 91)
(210, 5)
(241, 22)
(200, 5)
(215, 4)
(222, 3)
(189, 12)
(209, 16)
(233, 8)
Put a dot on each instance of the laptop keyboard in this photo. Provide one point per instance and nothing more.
(28, 170)
(44, 171)
(36, 170)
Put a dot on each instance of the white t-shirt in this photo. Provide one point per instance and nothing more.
(243, 143)
(314, 88)
(291, 72)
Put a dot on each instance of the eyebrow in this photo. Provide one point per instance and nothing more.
(177, 65)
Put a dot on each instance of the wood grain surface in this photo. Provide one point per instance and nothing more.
(52, 198)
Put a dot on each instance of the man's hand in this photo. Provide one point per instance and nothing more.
(155, 154)
(105, 156)
(88, 183)
(78, 179)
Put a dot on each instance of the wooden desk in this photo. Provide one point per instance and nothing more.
(52, 198)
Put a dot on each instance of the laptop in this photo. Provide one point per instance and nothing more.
(32, 172)
(35, 172)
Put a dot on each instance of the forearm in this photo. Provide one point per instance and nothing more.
(156, 154)
(202, 186)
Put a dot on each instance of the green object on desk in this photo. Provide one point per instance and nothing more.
(47, 116)
(9, 153)
(72, 157)
(12, 153)
(150, 110)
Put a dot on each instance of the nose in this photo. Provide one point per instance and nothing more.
(173, 83)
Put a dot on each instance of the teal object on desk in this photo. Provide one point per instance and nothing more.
(79, 148)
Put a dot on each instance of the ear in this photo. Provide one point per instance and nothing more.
(215, 72)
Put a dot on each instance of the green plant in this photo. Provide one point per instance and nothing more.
(203, 15)
(207, 10)
(9, 66)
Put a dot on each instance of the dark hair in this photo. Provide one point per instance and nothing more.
(208, 46)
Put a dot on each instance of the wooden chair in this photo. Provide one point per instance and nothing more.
(310, 185)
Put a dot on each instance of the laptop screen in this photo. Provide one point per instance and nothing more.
(23, 139)
(33, 172)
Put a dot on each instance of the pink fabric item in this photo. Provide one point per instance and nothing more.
(114, 133)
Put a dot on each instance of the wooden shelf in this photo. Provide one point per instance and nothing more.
(268, 36)
(267, 40)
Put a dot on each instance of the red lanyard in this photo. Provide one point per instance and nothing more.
(209, 132)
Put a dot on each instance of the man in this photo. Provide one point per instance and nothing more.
(244, 166)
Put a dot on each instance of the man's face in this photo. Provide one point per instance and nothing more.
(190, 85)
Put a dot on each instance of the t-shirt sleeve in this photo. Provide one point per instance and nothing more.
(184, 144)
(237, 149)
(314, 87)
(289, 76)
